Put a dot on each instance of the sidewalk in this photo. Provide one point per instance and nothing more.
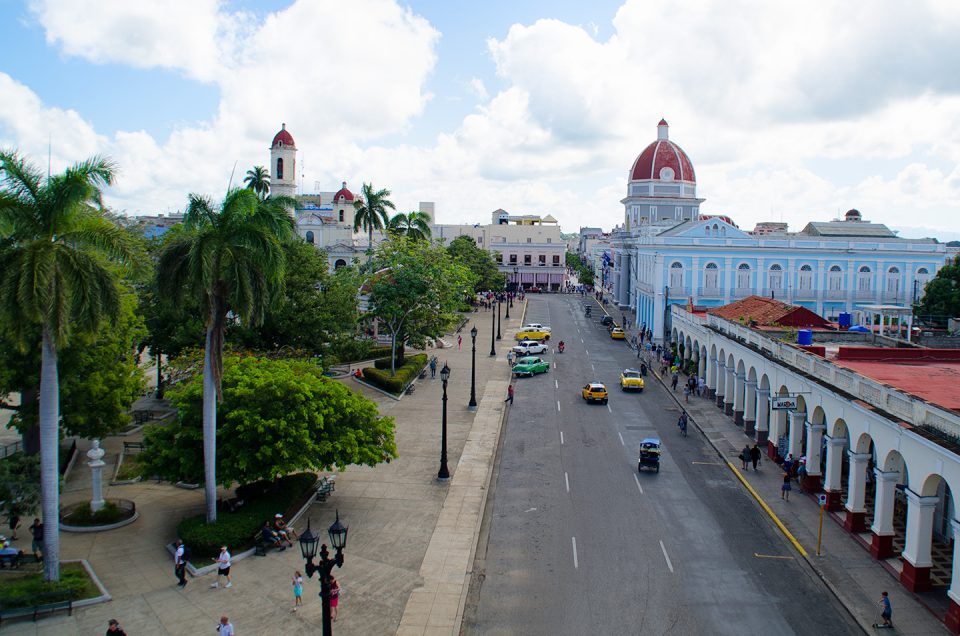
(411, 540)
(846, 568)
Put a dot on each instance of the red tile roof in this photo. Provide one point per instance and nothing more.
(767, 312)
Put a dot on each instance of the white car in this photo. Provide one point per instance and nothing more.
(530, 347)
(535, 326)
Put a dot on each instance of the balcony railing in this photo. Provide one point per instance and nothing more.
(835, 294)
(742, 292)
(710, 292)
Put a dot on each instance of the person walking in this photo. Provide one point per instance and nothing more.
(180, 564)
(297, 590)
(755, 456)
(225, 628)
(785, 488)
(459, 340)
(334, 597)
(433, 367)
(745, 456)
(509, 394)
(510, 358)
(223, 569)
(114, 629)
(886, 611)
(686, 393)
(36, 533)
(682, 423)
(674, 379)
(801, 473)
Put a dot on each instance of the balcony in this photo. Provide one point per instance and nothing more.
(742, 292)
(710, 292)
(678, 292)
(805, 294)
(835, 294)
(865, 294)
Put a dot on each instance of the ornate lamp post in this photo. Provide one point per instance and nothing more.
(308, 548)
(509, 300)
(499, 302)
(473, 370)
(493, 330)
(444, 474)
(516, 282)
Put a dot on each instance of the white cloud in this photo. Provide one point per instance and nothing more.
(479, 89)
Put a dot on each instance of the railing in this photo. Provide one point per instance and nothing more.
(709, 292)
(10, 449)
(865, 294)
(836, 294)
(742, 292)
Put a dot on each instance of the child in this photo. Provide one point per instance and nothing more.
(297, 590)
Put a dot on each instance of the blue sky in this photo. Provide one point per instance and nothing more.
(532, 106)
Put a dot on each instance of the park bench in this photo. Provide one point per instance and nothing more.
(38, 605)
(142, 416)
(261, 544)
(14, 561)
(129, 447)
(326, 487)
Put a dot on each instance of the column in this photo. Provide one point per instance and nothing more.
(761, 401)
(712, 378)
(953, 594)
(739, 380)
(797, 420)
(833, 477)
(778, 427)
(814, 439)
(721, 382)
(749, 415)
(917, 561)
(701, 365)
(96, 465)
(729, 390)
(856, 492)
(618, 290)
(881, 544)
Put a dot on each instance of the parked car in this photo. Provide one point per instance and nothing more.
(530, 366)
(617, 333)
(528, 347)
(631, 380)
(533, 334)
(533, 290)
(595, 392)
(606, 320)
(536, 326)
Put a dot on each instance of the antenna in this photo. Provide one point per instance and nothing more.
(230, 182)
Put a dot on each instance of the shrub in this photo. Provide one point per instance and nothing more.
(262, 500)
(384, 363)
(398, 382)
(82, 515)
(23, 590)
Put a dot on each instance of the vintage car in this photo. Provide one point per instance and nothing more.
(649, 454)
(606, 320)
(617, 333)
(533, 334)
(631, 380)
(530, 366)
(595, 392)
(536, 326)
(528, 347)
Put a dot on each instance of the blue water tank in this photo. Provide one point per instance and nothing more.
(845, 319)
(804, 337)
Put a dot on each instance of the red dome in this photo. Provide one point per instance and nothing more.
(663, 160)
(283, 138)
(343, 192)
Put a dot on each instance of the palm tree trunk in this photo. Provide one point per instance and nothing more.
(370, 247)
(210, 428)
(49, 458)
(393, 353)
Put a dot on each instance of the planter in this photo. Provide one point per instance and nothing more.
(128, 508)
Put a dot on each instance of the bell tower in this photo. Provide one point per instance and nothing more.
(283, 164)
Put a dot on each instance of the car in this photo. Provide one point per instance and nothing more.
(606, 320)
(530, 366)
(536, 326)
(595, 392)
(631, 380)
(533, 334)
(527, 347)
(533, 290)
(617, 333)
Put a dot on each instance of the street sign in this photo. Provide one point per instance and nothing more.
(822, 499)
(783, 403)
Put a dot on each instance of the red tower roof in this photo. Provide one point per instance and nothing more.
(346, 194)
(283, 138)
(662, 154)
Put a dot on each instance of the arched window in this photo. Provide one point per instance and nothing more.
(743, 276)
(775, 278)
(341, 215)
(676, 275)
(864, 279)
(835, 278)
(279, 171)
(340, 263)
(723, 231)
(711, 277)
(309, 236)
(805, 279)
(893, 281)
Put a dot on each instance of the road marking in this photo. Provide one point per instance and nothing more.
(621, 439)
(567, 480)
(609, 409)
(592, 368)
(665, 555)
(586, 352)
(771, 556)
(556, 384)
(554, 366)
(637, 479)
(576, 564)
(763, 504)
(581, 340)
(558, 406)
(530, 510)
(708, 463)
(561, 438)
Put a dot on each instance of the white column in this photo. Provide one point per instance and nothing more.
(814, 440)
(721, 377)
(778, 424)
(712, 373)
(738, 391)
(833, 479)
(750, 400)
(797, 420)
(96, 468)
(883, 506)
(857, 481)
(919, 529)
(762, 405)
(730, 388)
(954, 591)
(702, 366)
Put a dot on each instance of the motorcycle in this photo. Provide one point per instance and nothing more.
(560, 347)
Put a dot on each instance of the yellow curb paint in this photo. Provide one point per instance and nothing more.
(763, 504)
(708, 463)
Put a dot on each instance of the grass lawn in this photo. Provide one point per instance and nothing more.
(129, 469)
(25, 588)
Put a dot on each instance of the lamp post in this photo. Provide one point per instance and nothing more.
(509, 302)
(516, 282)
(493, 330)
(499, 302)
(444, 474)
(308, 548)
(473, 370)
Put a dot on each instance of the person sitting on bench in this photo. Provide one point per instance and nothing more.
(281, 527)
(269, 535)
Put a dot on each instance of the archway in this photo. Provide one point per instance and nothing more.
(730, 386)
(340, 263)
(861, 485)
(739, 392)
(778, 443)
(750, 403)
(835, 463)
(890, 507)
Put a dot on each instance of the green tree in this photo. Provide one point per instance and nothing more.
(370, 212)
(54, 275)
(229, 258)
(277, 417)
(415, 225)
(941, 296)
(19, 485)
(258, 180)
(584, 271)
(465, 251)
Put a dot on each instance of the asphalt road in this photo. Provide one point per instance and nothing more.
(579, 542)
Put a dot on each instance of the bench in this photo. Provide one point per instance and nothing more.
(326, 487)
(261, 544)
(142, 416)
(16, 560)
(38, 605)
(133, 446)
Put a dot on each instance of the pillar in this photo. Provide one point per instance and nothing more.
(814, 439)
(779, 426)
(797, 421)
(762, 417)
(917, 560)
(833, 477)
(96, 465)
(881, 543)
(721, 382)
(739, 392)
(953, 594)
(750, 407)
(729, 391)
(712, 378)
(856, 492)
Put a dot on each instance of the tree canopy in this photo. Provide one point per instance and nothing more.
(941, 298)
(465, 252)
(415, 225)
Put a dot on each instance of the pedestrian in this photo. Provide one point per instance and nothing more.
(223, 569)
(886, 611)
(755, 456)
(701, 387)
(744, 456)
(459, 340)
(335, 591)
(788, 463)
(14, 522)
(643, 368)
(510, 358)
(509, 394)
(785, 488)
(225, 628)
(180, 563)
(36, 532)
(686, 393)
(297, 590)
(801, 472)
(674, 380)
(114, 629)
(433, 367)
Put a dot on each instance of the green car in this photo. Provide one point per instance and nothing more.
(530, 366)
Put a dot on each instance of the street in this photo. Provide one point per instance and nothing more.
(581, 543)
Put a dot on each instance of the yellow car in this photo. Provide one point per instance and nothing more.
(617, 333)
(631, 380)
(595, 392)
(533, 334)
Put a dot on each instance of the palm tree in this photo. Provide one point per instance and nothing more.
(258, 180)
(54, 274)
(231, 259)
(371, 212)
(415, 225)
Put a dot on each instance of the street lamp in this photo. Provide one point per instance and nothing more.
(444, 474)
(473, 370)
(509, 302)
(308, 548)
(516, 282)
(493, 330)
(499, 302)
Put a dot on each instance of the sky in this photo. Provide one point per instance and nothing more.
(790, 112)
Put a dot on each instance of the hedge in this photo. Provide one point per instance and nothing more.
(385, 363)
(398, 382)
(262, 500)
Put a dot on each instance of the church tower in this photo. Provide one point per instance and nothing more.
(283, 164)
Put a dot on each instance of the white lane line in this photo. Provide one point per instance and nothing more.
(576, 564)
(556, 384)
(609, 409)
(586, 352)
(567, 480)
(561, 438)
(554, 365)
(558, 406)
(581, 339)
(666, 556)
(637, 479)
(592, 368)
(621, 441)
